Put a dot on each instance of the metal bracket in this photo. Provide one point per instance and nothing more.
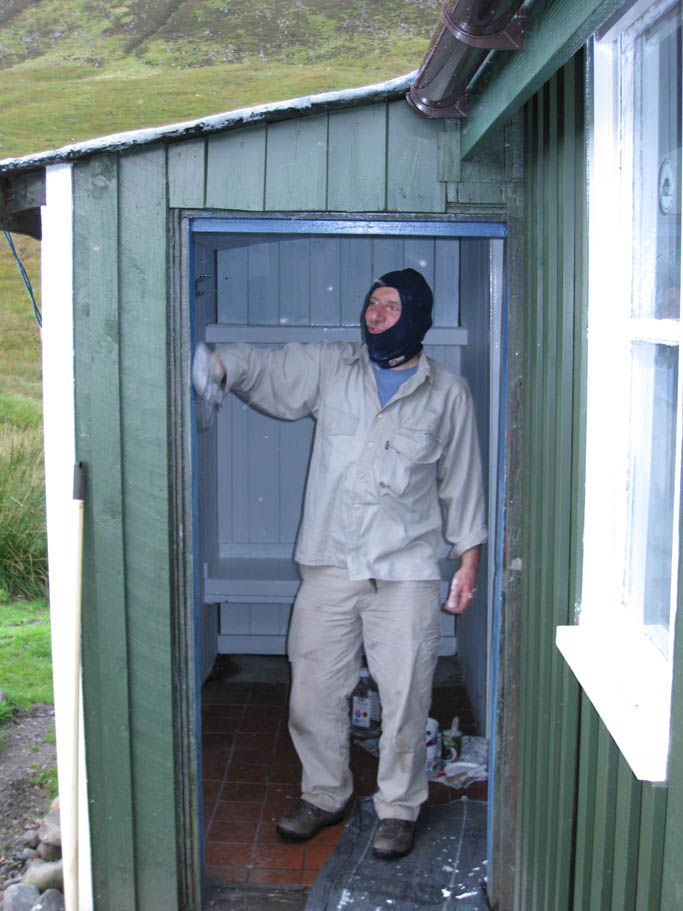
(458, 108)
(508, 38)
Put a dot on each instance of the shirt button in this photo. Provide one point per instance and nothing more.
(379, 417)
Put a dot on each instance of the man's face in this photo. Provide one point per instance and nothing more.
(383, 310)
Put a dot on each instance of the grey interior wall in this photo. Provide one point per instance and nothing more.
(475, 317)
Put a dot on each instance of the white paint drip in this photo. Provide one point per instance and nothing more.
(345, 899)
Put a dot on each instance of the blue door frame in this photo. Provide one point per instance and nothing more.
(371, 228)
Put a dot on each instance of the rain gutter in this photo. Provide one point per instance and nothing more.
(467, 33)
(455, 67)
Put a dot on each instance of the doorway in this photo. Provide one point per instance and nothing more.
(266, 281)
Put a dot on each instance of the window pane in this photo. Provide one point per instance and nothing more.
(654, 390)
(657, 171)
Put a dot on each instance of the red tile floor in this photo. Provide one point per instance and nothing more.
(251, 775)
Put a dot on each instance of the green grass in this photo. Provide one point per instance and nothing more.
(26, 671)
(25, 655)
(47, 779)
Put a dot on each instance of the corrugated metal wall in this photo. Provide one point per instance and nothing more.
(589, 835)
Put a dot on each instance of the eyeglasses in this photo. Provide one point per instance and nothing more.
(390, 307)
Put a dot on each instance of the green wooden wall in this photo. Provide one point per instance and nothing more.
(128, 306)
(589, 836)
(377, 158)
(121, 344)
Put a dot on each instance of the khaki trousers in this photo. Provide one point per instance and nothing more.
(398, 625)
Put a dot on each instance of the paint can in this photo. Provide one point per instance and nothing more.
(433, 754)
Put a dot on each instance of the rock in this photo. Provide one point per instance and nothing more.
(3, 696)
(31, 838)
(44, 875)
(27, 854)
(21, 897)
(50, 900)
(49, 852)
(54, 806)
(49, 830)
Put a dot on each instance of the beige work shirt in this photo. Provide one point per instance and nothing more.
(378, 477)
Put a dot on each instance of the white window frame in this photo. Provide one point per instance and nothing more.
(626, 672)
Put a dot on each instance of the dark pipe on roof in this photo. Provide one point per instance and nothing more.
(467, 31)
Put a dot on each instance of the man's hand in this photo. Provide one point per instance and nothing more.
(208, 379)
(208, 375)
(463, 584)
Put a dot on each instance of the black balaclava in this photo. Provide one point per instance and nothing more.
(403, 340)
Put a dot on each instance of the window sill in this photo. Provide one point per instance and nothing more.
(629, 683)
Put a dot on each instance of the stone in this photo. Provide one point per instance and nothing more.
(27, 854)
(49, 852)
(3, 696)
(20, 897)
(44, 875)
(49, 830)
(31, 838)
(50, 900)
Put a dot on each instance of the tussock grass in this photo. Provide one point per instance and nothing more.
(23, 559)
(23, 548)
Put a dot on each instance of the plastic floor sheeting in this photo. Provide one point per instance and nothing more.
(445, 870)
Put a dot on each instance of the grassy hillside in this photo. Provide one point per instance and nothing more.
(74, 69)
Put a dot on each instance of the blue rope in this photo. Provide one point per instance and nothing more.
(27, 280)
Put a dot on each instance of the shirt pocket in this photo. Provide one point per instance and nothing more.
(337, 430)
(337, 422)
(409, 460)
(417, 444)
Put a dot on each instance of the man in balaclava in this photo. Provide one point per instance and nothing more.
(395, 445)
(400, 342)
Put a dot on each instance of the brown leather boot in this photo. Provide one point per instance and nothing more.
(305, 820)
(394, 838)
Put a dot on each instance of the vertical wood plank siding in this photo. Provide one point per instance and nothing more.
(144, 359)
(357, 150)
(98, 444)
(379, 158)
(590, 836)
(121, 334)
